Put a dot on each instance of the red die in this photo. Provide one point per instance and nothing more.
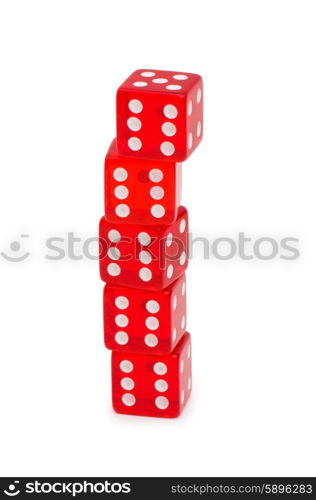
(140, 256)
(159, 115)
(141, 191)
(152, 385)
(137, 320)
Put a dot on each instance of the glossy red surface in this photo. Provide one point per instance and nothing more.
(143, 321)
(159, 115)
(141, 191)
(143, 256)
(152, 385)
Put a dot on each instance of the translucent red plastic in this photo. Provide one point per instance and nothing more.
(143, 321)
(143, 256)
(152, 385)
(159, 115)
(141, 191)
(144, 241)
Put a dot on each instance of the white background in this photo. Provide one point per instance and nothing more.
(253, 322)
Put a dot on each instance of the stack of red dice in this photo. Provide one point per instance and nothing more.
(144, 242)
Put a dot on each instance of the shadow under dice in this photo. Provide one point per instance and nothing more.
(159, 115)
(141, 191)
(143, 321)
(152, 385)
(143, 256)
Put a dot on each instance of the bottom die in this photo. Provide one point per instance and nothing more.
(152, 385)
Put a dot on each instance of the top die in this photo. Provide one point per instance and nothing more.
(159, 115)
